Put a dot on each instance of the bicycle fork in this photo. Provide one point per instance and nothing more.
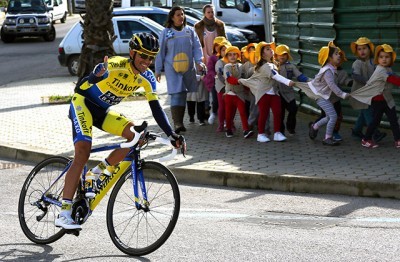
(138, 179)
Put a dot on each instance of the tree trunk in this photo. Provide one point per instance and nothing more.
(98, 34)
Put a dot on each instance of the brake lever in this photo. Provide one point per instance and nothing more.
(183, 147)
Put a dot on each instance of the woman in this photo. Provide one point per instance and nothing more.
(180, 50)
(207, 30)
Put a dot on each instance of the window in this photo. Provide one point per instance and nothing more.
(127, 28)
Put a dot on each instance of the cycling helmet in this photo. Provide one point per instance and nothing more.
(144, 43)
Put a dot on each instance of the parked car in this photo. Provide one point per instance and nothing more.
(124, 26)
(27, 18)
(80, 5)
(160, 16)
(59, 11)
(249, 34)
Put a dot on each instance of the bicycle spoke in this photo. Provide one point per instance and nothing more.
(42, 231)
(144, 230)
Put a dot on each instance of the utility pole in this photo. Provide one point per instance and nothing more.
(266, 6)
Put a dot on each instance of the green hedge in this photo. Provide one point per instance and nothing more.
(3, 3)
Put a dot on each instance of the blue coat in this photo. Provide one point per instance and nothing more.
(179, 50)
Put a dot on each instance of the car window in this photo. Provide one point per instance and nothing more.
(127, 28)
(159, 18)
(26, 6)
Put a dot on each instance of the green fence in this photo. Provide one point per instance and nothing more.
(307, 25)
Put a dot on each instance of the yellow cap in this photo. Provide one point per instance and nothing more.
(245, 49)
(387, 49)
(232, 49)
(323, 53)
(283, 49)
(331, 44)
(219, 39)
(224, 43)
(361, 41)
(260, 46)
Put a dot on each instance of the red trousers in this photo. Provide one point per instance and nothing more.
(232, 103)
(266, 103)
(221, 109)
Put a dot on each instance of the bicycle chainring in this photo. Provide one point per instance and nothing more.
(80, 210)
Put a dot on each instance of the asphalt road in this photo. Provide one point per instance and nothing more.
(225, 224)
(32, 57)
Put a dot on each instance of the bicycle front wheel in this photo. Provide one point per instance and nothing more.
(36, 215)
(138, 232)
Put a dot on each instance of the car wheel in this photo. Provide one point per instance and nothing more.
(6, 38)
(73, 64)
(64, 18)
(50, 36)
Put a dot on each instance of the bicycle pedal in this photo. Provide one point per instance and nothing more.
(74, 232)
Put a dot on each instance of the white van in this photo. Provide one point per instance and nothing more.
(60, 10)
(246, 14)
(70, 47)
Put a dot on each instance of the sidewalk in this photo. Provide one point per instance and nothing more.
(32, 131)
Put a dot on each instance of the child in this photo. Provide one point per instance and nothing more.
(197, 99)
(220, 84)
(379, 88)
(362, 69)
(234, 93)
(264, 85)
(343, 79)
(209, 78)
(321, 89)
(287, 93)
(246, 71)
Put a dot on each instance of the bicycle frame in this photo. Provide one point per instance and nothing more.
(132, 160)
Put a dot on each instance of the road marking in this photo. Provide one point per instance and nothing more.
(227, 214)
(9, 165)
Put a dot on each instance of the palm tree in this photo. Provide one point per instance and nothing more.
(98, 33)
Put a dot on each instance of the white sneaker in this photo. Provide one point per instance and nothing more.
(66, 222)
(262, 138)
(279, 137)
(211, 119)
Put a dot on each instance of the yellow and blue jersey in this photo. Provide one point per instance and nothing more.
(119, 82)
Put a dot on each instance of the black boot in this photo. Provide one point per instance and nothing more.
(178, 112)
(201, 115)
(191, 106)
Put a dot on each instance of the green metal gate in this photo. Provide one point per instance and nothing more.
(307, 25)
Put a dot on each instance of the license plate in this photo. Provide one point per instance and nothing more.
(26, 30)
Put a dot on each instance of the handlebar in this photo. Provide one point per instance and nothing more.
(140, 132)
(166, 142)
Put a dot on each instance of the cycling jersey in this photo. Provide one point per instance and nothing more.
(93, 97)
(119, 82)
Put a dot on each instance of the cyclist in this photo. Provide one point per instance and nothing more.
(107, 85)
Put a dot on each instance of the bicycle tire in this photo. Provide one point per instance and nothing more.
(38, 181)
(153, 227)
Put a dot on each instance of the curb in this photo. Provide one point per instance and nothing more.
(248, 180)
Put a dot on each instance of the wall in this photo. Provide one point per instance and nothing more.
(307, 25)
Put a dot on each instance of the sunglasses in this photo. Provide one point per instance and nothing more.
(145, 56)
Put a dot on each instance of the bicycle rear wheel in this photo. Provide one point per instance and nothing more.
(37, 216)
(140, 232)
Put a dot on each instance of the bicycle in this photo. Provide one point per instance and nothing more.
(138, 222)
